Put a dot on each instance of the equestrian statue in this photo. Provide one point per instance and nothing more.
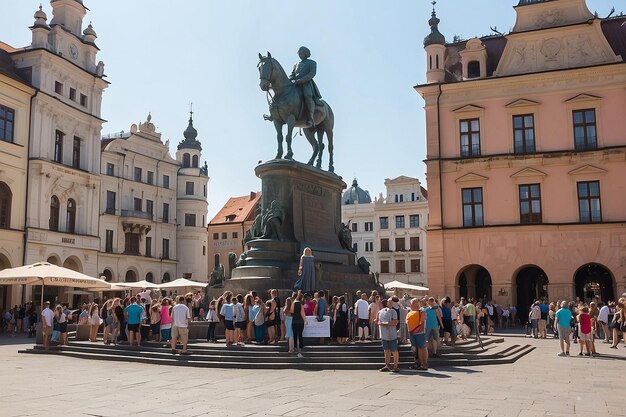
(297, 103)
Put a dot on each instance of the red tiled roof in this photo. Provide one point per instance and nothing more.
(237, 209)
(7, 47)
(424, 192)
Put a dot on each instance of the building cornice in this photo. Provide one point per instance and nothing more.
(52, 54)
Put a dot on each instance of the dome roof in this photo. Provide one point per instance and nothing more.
(89, 31)
(190, 135)
(40, 14)
(434, 37)
(355, 195)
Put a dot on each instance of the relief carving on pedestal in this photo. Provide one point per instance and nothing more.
(551, 18)
(524, 58)
(583, 50)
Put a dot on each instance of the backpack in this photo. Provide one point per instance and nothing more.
(259, 318)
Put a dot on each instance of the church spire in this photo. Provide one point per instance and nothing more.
(434, 37)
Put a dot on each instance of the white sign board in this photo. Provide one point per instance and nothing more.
(316, 328)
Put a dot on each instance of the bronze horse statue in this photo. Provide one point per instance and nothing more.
(287, 107)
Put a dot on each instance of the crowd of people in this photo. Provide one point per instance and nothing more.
(425, 322)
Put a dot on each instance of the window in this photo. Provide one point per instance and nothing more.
(166, 249)
(384, 222)
(138, 174)
(72, 94)
(138, 204)
(470, 137)
(415, 265)
(83, 100)
(530, 203)
(355, 227)
(384, 245)
(131, 244)
(190, 219)
(5, 206)
(58, 87)
(355, 247)
(150, 179)
(400, 266)
(589, 202)
(585, 129)
(399, 222)
(187, 275)
(54, 213)
(110, 209)
(110, 170)
(472, 207)
(414, 221)
(412, 196)
(7, 120)
(473, 69)
(384, 267)
(400, 244)
(224, 235)
(204, 251)
(150, 207)
(369, 226)
(70, 219)
(58, 146)
(148, 246)
(166, 213)
(235, 235)
(76, 153)
(399, 198)
(414, 243)
(369, 246)
(204, 189)
(166, 277)
(166, 181)
(194, 161)
(189, 189)
(108, 246)
(216, 236)
(524, 133)
(186, 159)
(149, 276)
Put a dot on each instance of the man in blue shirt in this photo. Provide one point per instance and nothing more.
(562, 319)
(133, 315)
(544, 307)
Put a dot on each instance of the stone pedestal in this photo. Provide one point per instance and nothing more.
(311, 201)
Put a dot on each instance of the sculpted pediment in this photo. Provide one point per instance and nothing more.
(471, 177)
(582, 97)
(529, 172)
(554, 49)
(522, 102)
(586, 170)
(467, 108)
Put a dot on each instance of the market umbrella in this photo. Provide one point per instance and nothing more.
(44, 273)
(181, 283)
(138, 284)
(397, 285)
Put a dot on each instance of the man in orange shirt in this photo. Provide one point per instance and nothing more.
(416, 323)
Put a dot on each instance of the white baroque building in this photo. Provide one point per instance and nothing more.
(390, 232)
(121, 207)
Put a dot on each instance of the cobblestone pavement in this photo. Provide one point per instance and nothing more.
(539, 384)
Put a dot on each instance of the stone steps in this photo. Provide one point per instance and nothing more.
(333, 357)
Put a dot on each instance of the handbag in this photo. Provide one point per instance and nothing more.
(55, 335)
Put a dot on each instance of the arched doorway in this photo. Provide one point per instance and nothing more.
(532, 284)
(73, 264)
(594, 281)
(166, 277)
(149, 277)
(108, 275)
(53, 260)
(131, 276)
(475, 282)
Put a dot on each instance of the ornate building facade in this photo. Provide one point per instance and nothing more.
(526, 157)
(120, 207)
(390, 232)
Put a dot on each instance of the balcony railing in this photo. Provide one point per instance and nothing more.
(136, 213)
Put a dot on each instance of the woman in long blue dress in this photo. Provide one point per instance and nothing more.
(306, 272)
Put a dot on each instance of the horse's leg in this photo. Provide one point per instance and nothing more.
(320, 144)
(279, 137)
(309, 133)
(329, 135)
(291, 121)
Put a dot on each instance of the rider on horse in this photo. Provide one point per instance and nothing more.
(302, 75)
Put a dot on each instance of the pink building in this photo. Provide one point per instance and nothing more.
(526, 157)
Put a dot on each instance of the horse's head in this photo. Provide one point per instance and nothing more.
(265, 71)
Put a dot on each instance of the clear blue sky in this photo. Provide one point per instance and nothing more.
(162, 55)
